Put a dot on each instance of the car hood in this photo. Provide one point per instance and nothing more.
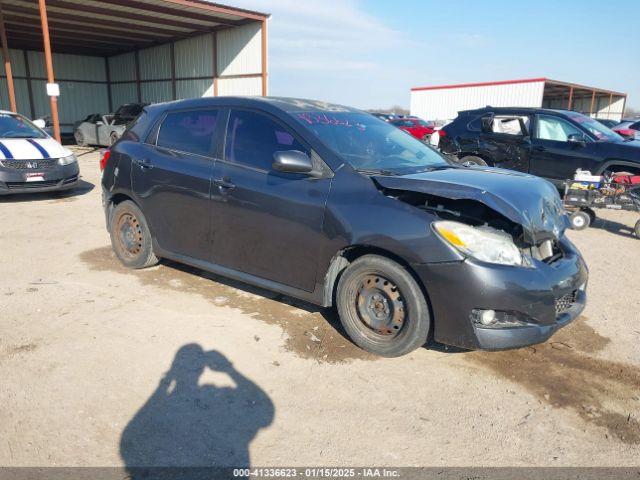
(31, 148)
(524, 199)
(624, 150)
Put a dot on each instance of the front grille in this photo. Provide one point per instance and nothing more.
(29, 185)
(42, 164)
(565, 302)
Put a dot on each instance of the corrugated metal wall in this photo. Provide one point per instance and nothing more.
(445, 103)
(239, 53)
(83, 79)
(239, 50)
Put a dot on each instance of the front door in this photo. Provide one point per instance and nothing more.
(559, 148)
(505, 141)
(266, 223)
(172, 180)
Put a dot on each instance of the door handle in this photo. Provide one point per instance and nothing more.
(539, 148)
(225, 185)
(143, 163)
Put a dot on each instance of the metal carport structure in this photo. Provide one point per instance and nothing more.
(105, 53)
(443, 102)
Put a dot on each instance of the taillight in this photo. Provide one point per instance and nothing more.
(105, 159)
(442, 133)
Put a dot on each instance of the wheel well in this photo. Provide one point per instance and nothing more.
(347, 255)
(114, 200)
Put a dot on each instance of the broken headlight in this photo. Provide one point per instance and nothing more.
(482, 243)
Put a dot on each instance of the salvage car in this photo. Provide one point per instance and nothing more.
(548, 143)
(32, 161)
(629, 129)
(105, 130)
(416, 127)
(330, 205)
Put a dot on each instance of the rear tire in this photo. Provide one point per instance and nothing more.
(381, 307)
(130, 236)
(636, 229)
(472, 161)
(580, 220)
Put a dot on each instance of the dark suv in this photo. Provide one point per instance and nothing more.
(336, 207)
(548, 143)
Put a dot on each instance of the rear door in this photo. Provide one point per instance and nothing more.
(172, 179)
(504, 141)
(266, 223)
(553, 156)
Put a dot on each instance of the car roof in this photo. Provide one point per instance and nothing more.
(285, 104)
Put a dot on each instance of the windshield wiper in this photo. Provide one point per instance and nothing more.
(370, 171)
(437, 167)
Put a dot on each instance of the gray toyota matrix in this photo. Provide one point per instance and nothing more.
(333, 206)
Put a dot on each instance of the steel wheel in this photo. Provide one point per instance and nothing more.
(129, 235)
(380, 306)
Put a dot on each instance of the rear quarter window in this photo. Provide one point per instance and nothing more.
(188, 131)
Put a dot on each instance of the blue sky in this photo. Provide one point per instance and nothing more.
(370, 53)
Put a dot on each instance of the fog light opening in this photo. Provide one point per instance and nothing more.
(496, 319)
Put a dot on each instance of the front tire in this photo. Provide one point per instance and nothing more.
(113, 138)
(636, 229)
(381, 307)
(80, 141)
(130, 236)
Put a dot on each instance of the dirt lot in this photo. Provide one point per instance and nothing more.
(103, 366)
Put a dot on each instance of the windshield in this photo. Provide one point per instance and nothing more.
(16, 126)
(600, 131)
(370, 145)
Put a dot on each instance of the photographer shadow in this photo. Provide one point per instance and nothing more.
(187, 424)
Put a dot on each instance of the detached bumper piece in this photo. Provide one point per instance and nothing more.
(493, 307)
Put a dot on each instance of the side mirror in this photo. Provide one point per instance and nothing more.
(487, 124)
(577, 139)
(40, 123)
(292, 161)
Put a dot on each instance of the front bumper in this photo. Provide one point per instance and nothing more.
(56, 178)
(455, 289)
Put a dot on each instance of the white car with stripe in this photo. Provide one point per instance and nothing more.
(32, 161)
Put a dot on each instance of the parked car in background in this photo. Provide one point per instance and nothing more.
(32, 161)
(416, 127)
(328, 204)
(608, 123)
(548, 143)
(387, 117)
(105, 130)
(628, 129)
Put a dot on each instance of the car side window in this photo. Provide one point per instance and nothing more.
(635, 126)
(188, 131)
(555, 129)
(253, 138)
(509, 125)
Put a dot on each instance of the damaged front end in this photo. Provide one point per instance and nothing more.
(497, 221)
(525, 209)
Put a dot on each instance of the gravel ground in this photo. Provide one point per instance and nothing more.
(102, 366)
